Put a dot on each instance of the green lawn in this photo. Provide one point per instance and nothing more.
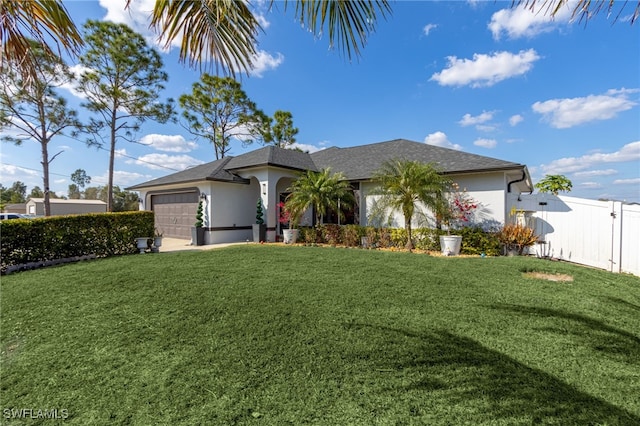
(275, 335)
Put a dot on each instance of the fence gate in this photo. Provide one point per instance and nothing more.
(602, 234)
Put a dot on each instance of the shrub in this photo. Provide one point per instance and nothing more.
(332, 234)
(476, 241)
(351, 235)
(63, 237)
(517, 237)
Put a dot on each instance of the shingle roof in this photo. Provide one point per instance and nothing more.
(362, 162)
(224, 168)
(273, 156)
(356, 163)
(214, 170)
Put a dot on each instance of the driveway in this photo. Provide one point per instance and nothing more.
(176, 244)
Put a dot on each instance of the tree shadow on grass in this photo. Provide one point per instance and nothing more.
(479, 385)
(619, 344)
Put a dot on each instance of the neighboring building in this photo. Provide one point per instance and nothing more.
(35, 206)
(15, 208)
(230, 187)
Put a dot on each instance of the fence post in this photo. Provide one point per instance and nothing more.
(616, 236)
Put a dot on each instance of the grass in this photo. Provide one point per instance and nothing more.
(275, 335)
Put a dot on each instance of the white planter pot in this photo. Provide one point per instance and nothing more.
(450, 244)
(142, 243)
(290, 236)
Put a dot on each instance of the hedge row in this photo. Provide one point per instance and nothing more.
(474, 239)
(25, 241)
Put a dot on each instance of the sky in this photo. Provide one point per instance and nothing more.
(484, 77)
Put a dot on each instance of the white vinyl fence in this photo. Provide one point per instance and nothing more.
(602, 234)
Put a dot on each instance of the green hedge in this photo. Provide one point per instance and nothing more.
(474, 240)
(27, 241)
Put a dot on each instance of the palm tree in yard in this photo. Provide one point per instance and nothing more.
(321, 190)
(404, 184)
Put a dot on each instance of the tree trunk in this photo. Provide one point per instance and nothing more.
(112, 154)
(45, 178)
(409, 245)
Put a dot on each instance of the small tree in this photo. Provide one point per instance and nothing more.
(554, 184)
(218, 110)
(320, 190)
(199, 222)
(281, 133)
(259, 212)
(405, 183)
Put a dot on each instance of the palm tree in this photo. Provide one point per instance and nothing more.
(225, 31)
(39, 20)
(320, 190)
(404, 183)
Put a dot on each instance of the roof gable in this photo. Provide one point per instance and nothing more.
(362, 162)
(273, 156)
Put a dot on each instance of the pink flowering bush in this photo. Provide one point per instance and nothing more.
(459, 209)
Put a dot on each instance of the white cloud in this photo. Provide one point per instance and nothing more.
(486, 127)
(263, 61)
(634, 181)
(485, 70)
(262, 20)
(569, 112)
(169, 143)
(164, 161)
(524, 21)
(307, 148)
(440, 139)
(592, 173)
(590, 185)
(137, 16)
(9, 172)
(427, 28)
(629, 152)
(486, 143)
(469, 120)
(120, 178)
(77, 70)
(515, 119)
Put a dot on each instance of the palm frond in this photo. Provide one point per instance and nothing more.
(349, 23)
(215, 32)
(46, 22)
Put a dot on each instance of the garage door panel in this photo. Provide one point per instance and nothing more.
(175, 213)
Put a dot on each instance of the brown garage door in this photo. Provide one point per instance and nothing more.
(175, 213)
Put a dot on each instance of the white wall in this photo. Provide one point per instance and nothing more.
(488, 190)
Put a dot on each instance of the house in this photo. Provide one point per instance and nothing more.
(15, 208)
(230, 187)
(35, 206)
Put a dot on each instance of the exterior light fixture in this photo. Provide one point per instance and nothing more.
(264, 189)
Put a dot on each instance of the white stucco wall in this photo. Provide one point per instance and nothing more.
(489, 190)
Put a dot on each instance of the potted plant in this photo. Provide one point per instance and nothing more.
(456, 211)
(142, 243)
(197, 231)
(288, 218)
(157, 240)
(259, 228)
(516, 237)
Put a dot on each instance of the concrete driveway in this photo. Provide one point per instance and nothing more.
(176, 244)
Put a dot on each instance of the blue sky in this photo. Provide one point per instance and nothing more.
(561, 97)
